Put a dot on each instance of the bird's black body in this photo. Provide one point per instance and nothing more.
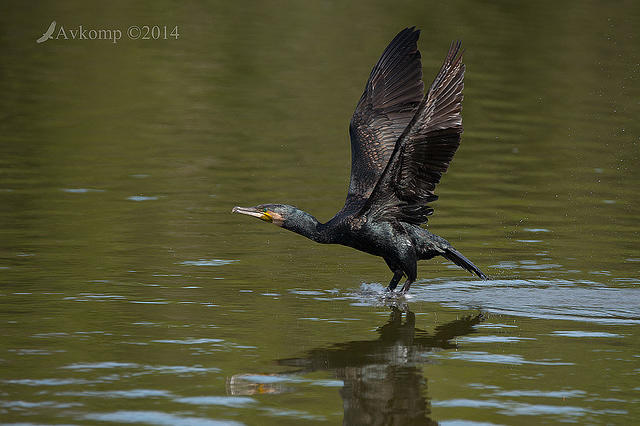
(401, 143)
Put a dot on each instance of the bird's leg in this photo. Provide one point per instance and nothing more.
(406, 286)
(395, 280)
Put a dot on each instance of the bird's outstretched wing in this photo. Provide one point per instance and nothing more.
(389, 102)
(424, 150)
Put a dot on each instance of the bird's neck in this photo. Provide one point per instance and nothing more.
(306, 225)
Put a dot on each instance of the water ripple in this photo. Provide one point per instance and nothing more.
(227, 401)
(47, 382)
(157, 418)
(99, 365)
(514, 408)
(80, 190)
(493, 339)
(577, 333)
(490, 358)
(585, 301)
(141, 198)
(543, 394)
(189, 341)
(205, 262)
(128, 394)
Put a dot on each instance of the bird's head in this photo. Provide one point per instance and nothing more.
(287, 217)
(277, 214)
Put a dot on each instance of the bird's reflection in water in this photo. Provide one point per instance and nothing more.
(383, 378)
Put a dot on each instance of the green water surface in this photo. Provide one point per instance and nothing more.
(129, 293)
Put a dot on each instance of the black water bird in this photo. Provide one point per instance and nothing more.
(401, 144)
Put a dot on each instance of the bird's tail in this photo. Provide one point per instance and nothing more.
(456, 257)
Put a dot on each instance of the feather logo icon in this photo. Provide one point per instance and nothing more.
(47, 34)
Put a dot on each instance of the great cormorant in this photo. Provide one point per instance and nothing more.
(401, 143)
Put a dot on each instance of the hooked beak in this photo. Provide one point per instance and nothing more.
(252, 211)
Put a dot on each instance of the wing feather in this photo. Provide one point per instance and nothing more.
(424, 151)
(390, 99)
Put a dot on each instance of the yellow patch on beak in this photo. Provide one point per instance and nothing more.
(272, 217)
